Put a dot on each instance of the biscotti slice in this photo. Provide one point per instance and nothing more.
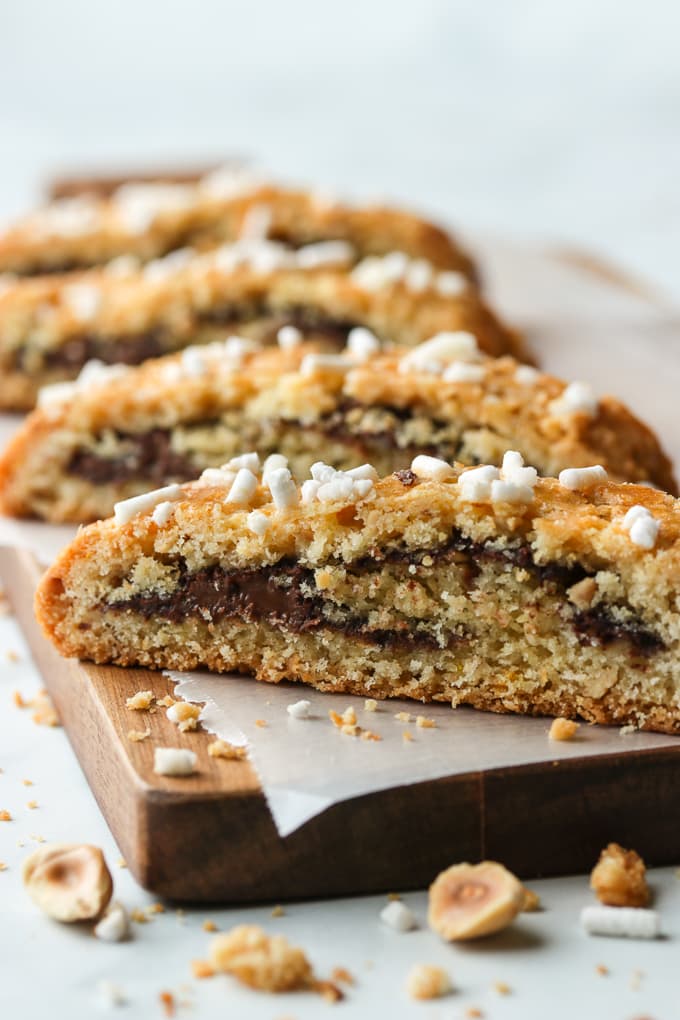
(50, 326)
(118, 432)
(484, 586)
(148, 220)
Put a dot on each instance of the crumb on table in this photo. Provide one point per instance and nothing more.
(562, 729)
(231, 752)
(619, 878)
(140, 702)
(263, 962)
(426, 981)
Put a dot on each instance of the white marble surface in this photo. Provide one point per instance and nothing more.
(55, 970)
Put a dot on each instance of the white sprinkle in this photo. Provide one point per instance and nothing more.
(461, 372)
(243, 487)
(67, 217)
(309, 490)
(418, 275)
(339, 488)
(431, 467)
(525, 375)
(257, 522)
(56, 393)
(439, 350)
(193, 362)
(394, 265)
(475, 484)
(236, 347)
(162, 513)
(250, 461)
(635, 513)
(621, 922)
(114, 925)
(83, 300)
(510, 492)
(644, 532)
(513, 470)
(138, 205)
(450, 284)
(321, 472)
(174, 761)
(313, 363)
(97, 373)
(272, 463)
(268, 256)
(256, 223)
(576, 397)
(215, 476)
(362, 487)
(288, 337)
(362, 344)
(363, 472)
(299, 709)
(110, 995)
(324, 253)
(160, 270)
(229, 182)
(122, 265)
(284, 491)
(398, 916)
(129, 508)
(582, 479)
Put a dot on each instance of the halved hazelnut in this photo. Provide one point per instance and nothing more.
(68, 881)
(468, 901)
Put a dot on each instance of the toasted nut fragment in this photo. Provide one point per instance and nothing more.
(532, 901)
(562, 729)
(582, 593)
(68, 881)
(618, 879)
(468, 901)
(427, 982)
(264, 962)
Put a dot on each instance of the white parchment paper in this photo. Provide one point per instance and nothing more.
(306, 765)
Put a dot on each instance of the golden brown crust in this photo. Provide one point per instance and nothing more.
(280, 408)
(99, 229)
(524, 656)
(45, 334)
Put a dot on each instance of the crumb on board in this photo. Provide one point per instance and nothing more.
(425, 723)
(404, 717)
(209, 925)
(370, 735)
(426, 981)
(27, 782)
(13, 656)
(562, 729)
(139, 916)
(636, 979)
(619, 878)
(167, 702)
(407, 736)
(342, 975)
(502, 988)
(260, 961)
(602, 970)
(32, 804)
(202, 969)
(473, 1013)
(141, 701)
(328, 990)
(185, 715)
(135, 736)
(262, 723)
(155, 908)
(370, 705)
(231, 752)
(278, 911)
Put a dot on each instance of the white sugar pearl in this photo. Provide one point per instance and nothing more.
(313, 363)
(114, 925)
(289, 337)
(257, 522)
(510, 492)
(129, 508)
(299, 709)
(272, 463)
(362, 344)
(461, 372)
(243, 487)
(576, 397)
(431, 467)
(283, 489)
(174, 761)
(621, 922)
(162, 513)
(398, 916)
(582, 479)
(644, 532)
(250, 461)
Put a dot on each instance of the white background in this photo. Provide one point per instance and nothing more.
(539, 118)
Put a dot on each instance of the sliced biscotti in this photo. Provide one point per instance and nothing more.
(118, 432)
(482, 586)
(51, 326)
(149, 220)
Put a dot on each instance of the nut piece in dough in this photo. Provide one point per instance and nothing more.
(68, 881)
(618, 879)
(267, 963)
(468, 901)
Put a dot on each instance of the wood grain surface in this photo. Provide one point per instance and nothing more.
(210, 837)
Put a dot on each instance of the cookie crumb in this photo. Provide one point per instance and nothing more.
(343, 975)
(231, 752)
(263, 962)
(44, 711)
(166, 702)
(174, 761)
(140, 702)
(261, 723)
(134, 736)
(328, 991)
(202, 969)
(5, 816)
(27, 782)
(184, 714)
(278, 911)
(3, 866)
(562, 729)
(424, 723)
(32, 804)
(403, 717)
(532, 901)
(407, 737)
(155, 908)
(427, 982)
(370, 705)
(209, 926)
(139, 916)
(602, 970)
(167, 1001)
(502, 988)
(121, 862)
(619, 878)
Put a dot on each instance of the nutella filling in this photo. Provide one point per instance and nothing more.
(286, 596)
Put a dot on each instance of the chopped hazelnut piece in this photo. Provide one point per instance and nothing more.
(427, 982)
(266, 963)
(223, 749)
(67, 881)
(619, 878)
(468, 901)
(562, 729)
(140, 702)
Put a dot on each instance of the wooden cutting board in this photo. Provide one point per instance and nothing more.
(210, 837)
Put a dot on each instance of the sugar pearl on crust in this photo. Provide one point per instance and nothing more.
(272, 463)
(461, 372)
(83, 300)
(449, 283)
(312, 363)
(510, 492)
(577, 396)
(129, 508)
(250, 461)
(361, 343)
(475, 485)
(582, 479)
(431, 467)
(433, 354)
(525, 375)
(162, 513)
(289, 337)
(324, 253)
(283, 489)
(243, 487)
(257, 522)
(216, 476)
(642, 527)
